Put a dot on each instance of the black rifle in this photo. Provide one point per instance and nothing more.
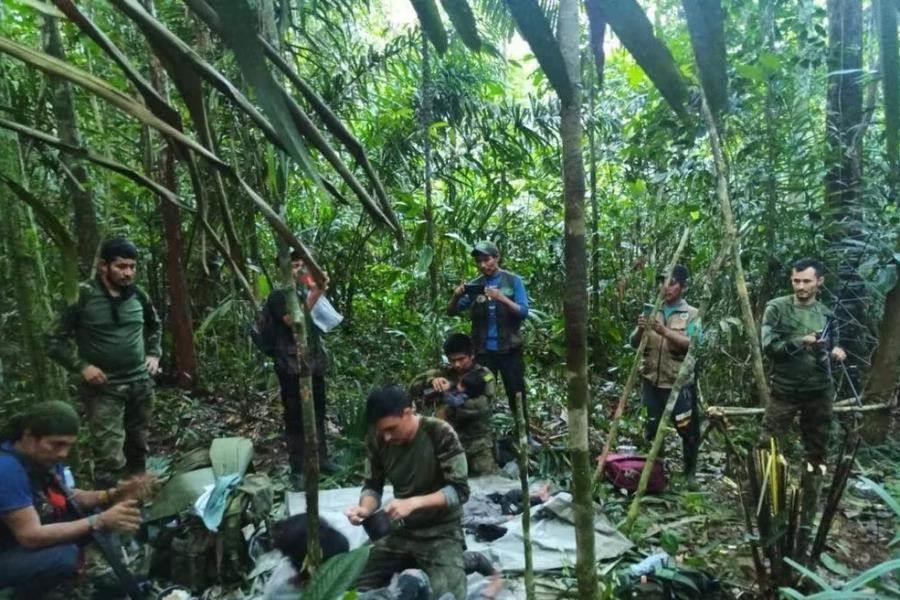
(108, 548)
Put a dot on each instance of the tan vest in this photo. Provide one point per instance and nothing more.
(661, 359)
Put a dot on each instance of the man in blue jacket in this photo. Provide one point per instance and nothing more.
(498, 303)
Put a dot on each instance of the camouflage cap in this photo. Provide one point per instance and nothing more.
(485, 247)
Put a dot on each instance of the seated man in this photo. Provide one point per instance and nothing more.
(40, 538)
(469, 414)
(424, 461)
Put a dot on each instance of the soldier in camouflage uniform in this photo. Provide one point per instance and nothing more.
(424, 461)
(800, 335)
(472, 418)
(117, 348)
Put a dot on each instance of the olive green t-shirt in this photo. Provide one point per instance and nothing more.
(433, 460)
(114, 334)
(794, 366)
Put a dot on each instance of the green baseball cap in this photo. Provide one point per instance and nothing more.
(485, 247)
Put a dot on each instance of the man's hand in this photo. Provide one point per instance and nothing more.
(493, 293)
(400, 509)
(123, 516)
(357, 514)
(459, 290)
(152, 364)
(838, 354)
(642, 322)
(440, 384)
(810, 340)
(93, 375)
(658, 328)
(137, 488)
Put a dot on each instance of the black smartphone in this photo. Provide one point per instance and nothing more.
(474, 289)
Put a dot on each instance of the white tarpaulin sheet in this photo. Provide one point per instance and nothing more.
(552, 529)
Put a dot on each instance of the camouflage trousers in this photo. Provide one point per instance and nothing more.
(480, 456)
(440, 555)
(814, 408)
(118, 418)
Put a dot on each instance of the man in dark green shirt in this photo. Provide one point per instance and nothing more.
(116, 334)
(800, 336)
(422, 459)
(470, 415)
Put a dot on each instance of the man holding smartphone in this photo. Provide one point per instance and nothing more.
(498, 303)
(669, 334)
(800, 336)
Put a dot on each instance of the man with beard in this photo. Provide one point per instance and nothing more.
(116, 334)
(498, 303)
(800, 335)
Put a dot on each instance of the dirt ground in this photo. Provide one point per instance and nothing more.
(702, 526)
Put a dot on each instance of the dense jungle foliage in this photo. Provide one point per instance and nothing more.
(425, 147)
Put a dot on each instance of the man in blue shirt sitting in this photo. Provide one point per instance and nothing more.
(40, 536)
(497, 303)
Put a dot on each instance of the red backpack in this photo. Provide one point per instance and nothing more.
(624, 472)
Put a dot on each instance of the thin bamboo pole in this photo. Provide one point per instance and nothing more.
(633, 374)
(733, 240)
(526, 503)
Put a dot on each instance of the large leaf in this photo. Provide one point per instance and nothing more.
(329, 118)
(631, 25)
(337, 575)
(430, 19)
(463, 20)
(57, 68)
(289, 118)
(46, 217)
(85, 154)
(141, 180)
(535, 28)
(706, 24)
(157, 103)
(883, 494)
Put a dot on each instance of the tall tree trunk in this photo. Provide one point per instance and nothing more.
(890, 81)
(733, 240)
(576, 299)
(846, 238)
(180, 322)
(426, 117)
(882, 382)
(31, 295)
(75, 186)
(597, 30)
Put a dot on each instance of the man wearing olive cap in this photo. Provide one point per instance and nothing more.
(498, 303)
(669, 336)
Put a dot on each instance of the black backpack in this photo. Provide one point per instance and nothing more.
(262, 331)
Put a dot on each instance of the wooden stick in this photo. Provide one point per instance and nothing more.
(685, 374)
(633, 374)
(526, 497)
(746, 411)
